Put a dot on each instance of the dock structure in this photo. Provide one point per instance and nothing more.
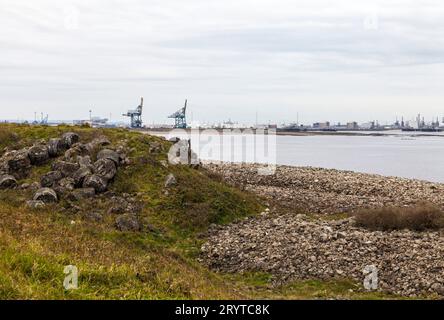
(180, 117)
(136, 115)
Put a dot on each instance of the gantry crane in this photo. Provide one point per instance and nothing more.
(136, 115)
(180, 117)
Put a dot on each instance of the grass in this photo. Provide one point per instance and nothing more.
(423, 216)
(260, 286)
(157, 263)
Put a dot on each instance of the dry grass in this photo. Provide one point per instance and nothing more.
(423, 216)
(35, 247)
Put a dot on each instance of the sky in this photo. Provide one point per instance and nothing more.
(318, 60)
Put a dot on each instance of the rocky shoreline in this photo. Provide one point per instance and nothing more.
(329, 191)
(294, 246)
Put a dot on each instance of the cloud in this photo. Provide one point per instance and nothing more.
(325, 59)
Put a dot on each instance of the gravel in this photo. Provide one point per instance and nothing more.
(293, 246)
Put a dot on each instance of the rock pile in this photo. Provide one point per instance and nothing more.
(327, 191)
(127, 209)
(73, 173)
(294, 248)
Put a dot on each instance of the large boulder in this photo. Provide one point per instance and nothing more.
(109, 154)
(127, 222)
(98, 183)
(80, 175)
(69, 138)
(77, 150)
(82, 193)
(96, 144)
(18, 163)
(38, 154)
(7, 182)
(105, 168)
(101, 141)
(66, 168)
(51, 178)
(46, 195)
(64, 187)
(55, 147)
(124, 204)
(71, 155)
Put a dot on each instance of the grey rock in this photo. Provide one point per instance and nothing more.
(50, 178)
(7, 182)
(25, 186)
(66, 183)
(69, 138)
(71, 155)
(80, 175)
(82, 193)
(125, 204)
(170, 181)
(38, 154)
(127, 222)
(34, 186)
(125, 161)
(109, 154)
(76, 151)
(35, 204)
(105, 168)
(92, 147)
(66, 168)
(98, 183)
(17, 163)
(94, 216)
(164, 163)
(64, 187)
(46, 195)
(84, 161)
(55, 147)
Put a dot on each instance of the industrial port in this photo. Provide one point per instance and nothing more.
(178, 120)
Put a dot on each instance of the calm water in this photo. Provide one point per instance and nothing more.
(408, 156)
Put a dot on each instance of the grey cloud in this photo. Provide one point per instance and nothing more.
(230, 58)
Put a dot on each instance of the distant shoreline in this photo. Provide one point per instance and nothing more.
(163, 131)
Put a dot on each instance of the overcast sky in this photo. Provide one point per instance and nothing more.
(326, 60)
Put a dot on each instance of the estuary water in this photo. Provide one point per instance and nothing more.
(420, 157)
(414, 156)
